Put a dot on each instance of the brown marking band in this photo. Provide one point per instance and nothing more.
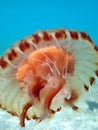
(47, 37)
(92, 79)
(74, 35)
(61, 34)
(12, 55)
(85, 37)
(24, 45)
(3, 63)
(86, 87)
(96, 73)
(96, 48)
(36, 39)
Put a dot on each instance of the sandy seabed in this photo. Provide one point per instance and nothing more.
(67, 119)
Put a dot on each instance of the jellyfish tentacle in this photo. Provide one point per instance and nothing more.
(23, 114)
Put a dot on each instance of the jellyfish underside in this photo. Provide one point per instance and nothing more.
(42, 76)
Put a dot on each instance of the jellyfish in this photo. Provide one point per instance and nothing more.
(45, 71)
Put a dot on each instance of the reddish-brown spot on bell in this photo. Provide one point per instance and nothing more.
(86, 87)
(47, 37)
(3, 63)
(58, 35)
(92, 79)
(12, 55)
(74, 35)
(89, 39)
(27, 45)
(24, 45)
(61, 34)
(36, 38)
(96, 48)
(85, 36)
(96, 73)
(21, 46)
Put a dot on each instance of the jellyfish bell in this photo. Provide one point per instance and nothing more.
(45, 71)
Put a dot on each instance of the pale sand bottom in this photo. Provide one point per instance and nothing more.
(66, 119)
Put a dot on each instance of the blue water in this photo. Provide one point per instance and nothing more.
(23, 17)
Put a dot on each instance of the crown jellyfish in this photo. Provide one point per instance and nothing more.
(46, 70)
